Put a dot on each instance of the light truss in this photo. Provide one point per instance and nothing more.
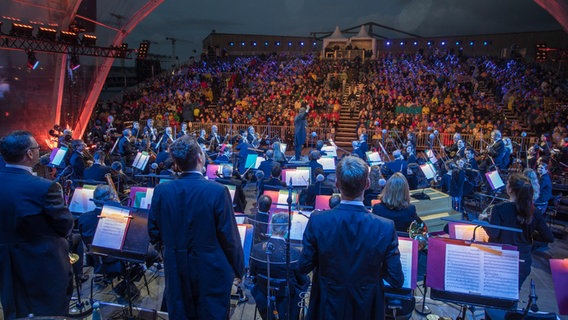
(37, 45)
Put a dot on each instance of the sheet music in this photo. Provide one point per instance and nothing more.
(111, 228)
(282, 202)
(465, 232)
(374, 157)
(59, 156)
(431, 156)
(232, 189)
(136, 161)
(331, 151)
(300, 177)
(495, 180)
(298, 226)
(242, 233)
(428, 170)
(327, 163)
(473, 270)
(405, 248)
(251, 161)
(81, 203)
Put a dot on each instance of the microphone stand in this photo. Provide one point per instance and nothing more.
(288, 289)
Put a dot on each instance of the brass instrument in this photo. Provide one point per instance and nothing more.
(419, 232)
(73, 258)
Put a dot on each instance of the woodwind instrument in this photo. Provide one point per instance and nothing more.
(108, 178)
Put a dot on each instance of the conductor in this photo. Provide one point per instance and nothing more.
(193, 218)
(300, 124)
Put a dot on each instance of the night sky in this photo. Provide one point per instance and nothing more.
(190, 22)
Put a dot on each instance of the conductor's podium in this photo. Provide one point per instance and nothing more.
(433, 210)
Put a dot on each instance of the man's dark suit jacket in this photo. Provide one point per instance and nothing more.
(194, 219)
(78, 163)
(35, 273)
(96, 172)
(240, 200)
(348, 283)
(398, 165)
(266, 167)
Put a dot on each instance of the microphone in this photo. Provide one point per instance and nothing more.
(382, 182)
(320, 178)
(431, 136)
(384, 131)
(259, 175)
(314, 134)
(523, 134)
(436, 132)
(154, 166)
(533, 297)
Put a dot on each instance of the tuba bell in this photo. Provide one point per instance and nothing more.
(419, 231)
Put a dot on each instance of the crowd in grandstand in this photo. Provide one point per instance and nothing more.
(446, 92)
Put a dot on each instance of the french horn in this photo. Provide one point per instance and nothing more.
(419, 232)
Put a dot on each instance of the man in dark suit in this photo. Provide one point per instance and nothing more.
(300, 124)
(314, 156)
(193, 218)
(98, 170)
(274, 248)
(240, 199)
(126, 149)
(348, 284)
(266, 165)
(497, 151)
(274, 180)
(35, 273)
(545, 184)
(77, 160)
(397, 165)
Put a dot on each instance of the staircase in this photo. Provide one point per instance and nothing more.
(346, 131)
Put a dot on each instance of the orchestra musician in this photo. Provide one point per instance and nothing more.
(214, 139)
(497, 150)
(361, 147)
(167, 137)
(98, 170)
(453, 149)
(135, 130)
(395, 203)
(251, 135)
(97, 133)
(126, 148)
(412, 160)
(183, 130)
(460, 152)
(397, 165)
(457, 181)
(77, 160)
(545, 183)
(314, 156)
(202, 139)
(149, 131)
(300, 124)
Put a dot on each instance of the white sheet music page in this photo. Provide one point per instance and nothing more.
(111, 228)
(482, 270)
(243, 233)
(405, 248)
(298, 226)
(465, 232)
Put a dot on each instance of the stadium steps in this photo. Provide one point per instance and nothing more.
(346, 131)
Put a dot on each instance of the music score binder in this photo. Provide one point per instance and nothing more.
(408, 249)
(141, 160)
(122, 232)
(476, 274)
(57, 155)
(81, 200)
(300, 176)
(494, 180)
(280, 199)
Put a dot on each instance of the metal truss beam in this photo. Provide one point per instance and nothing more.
(37, 45)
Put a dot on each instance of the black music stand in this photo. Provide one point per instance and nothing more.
(133, 248)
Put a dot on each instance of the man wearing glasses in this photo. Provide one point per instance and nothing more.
(34, 222)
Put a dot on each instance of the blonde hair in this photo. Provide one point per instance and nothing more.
(396, 194)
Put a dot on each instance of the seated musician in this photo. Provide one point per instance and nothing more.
(275, 248)
(314, 156)
(377, 183)
(244, 149)
(227, 177)
(545, 191)
(274, 180)
(225, 154)
(98, 170)
(149, 132)
(135, 130)
(279, 156)
(457, 181)
(183, 130)
(496, 151)
(395, 203)
(452, 150)
(266, 165)
(77, 160)
(214, 139)
(412, 171)
(397, 165)
(163, 155)
(317, 187)
(168, 168)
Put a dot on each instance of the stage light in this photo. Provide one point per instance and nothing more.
(231, 44)
(68, 37)
(266, 43)
(74, 62)
(289, 44)
(315, 43)
(242, 44)
(277, 43)
(415, 43)
(388, 43)
(122, 50)
(301, 43)
(485, 43)
(443, 43)
(143, 49)
(33, 62)
(44, 33)
(458, 43)
(429, 43)
(471, 43)
(89, 40)
(254, 43)
(402, 43)
(21, 30)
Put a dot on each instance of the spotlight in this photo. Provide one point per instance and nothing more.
(443, 43)
(429, 43)
(231, 44)
(33, 62)
(458, 43)
(277, 43)
(289, 44)
(415, 43)
(402, 43)
(21, 30)
(74, 62)
(266, 43)
(301, 43)
(48, 34)
(485, 43)
(254, 43)
(89, 40)
(388, 43)
(68, 37)
(122, 50)
(471, 43)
